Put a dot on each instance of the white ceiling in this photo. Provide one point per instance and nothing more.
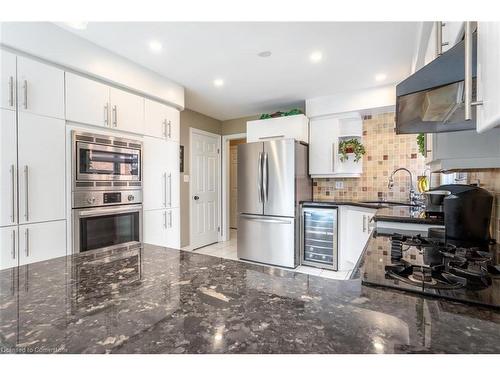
(196, 53)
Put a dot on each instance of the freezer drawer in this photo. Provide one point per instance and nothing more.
(267, 239)
(319, 238)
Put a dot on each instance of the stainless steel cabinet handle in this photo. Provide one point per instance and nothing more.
(333, 157)
(259, 178)
(164, 189)
(165, 128)
(26, 192)
(27, 248)
(165, 219)
(115, 116)
(468, 73)
(13, 244)
(170, 219)
(169, 129)
(11, 91)
(265, 178)
(170, 189)
(25, 87)
(364, 223)
(106, 114)
(13, 187)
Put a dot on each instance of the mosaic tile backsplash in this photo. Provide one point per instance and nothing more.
(385, 151)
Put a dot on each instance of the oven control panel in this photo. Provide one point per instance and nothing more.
(105, 198)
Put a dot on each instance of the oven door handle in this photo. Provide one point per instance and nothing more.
(103, 211)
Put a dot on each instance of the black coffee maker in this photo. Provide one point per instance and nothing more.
(467, 214)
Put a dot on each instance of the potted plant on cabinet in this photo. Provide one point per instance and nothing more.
(351, 146)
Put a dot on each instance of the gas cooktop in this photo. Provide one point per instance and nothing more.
(434, 267)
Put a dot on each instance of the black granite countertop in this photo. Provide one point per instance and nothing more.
(386, 211)
(160, 300)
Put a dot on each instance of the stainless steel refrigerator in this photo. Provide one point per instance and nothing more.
(272, 180)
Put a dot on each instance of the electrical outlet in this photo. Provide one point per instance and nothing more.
(339, 185)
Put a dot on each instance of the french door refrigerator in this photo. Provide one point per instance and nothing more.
(272, 180)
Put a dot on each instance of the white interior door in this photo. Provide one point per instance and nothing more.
(204, 188)
(233, 187)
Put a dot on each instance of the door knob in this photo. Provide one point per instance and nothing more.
(196, 197)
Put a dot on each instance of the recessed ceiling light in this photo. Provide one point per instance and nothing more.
(316, 56)
(78, 25)
(264, 54)
(380, 77)
(218, 82)
(155, 46)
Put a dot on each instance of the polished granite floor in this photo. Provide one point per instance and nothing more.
(158, 300)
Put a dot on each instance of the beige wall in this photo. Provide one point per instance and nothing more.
(191, 119)
(237, 125)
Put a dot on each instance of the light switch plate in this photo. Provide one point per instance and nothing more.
(186, 178)
(339, 184)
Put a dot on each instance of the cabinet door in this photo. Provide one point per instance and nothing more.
(155, 173)
(127, 111)
(9, 247)
(7, 80)
(173, 174)
(87, 101)
(155, 119)
(8, 168)
(42, 241)
(40, 88)
(322, 146)
(41, 179)
(173, 123)
(488, 75)
(295, 127)
(155, 227)
(173, 231)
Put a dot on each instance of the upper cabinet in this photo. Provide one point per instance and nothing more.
(127, 111)
(40, 88)
(161, 121)
(296, 127)
(87, 101)
(326, 134)
(8, 80)
(488, 75)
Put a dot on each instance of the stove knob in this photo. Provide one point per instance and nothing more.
(130, 198)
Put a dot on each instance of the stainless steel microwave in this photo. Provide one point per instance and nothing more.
(101, 161)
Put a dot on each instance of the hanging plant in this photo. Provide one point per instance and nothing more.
(421, 143)
(351, 146)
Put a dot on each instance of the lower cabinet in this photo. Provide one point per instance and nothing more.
(162, 227)
(9, 249)
(355, 230)
(41, 241)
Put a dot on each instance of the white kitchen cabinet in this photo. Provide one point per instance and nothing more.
(40, 88)
(295, 127)
(42, 241)
(161, 121)
(41, 149)
(162, 227)
(9, 247)
(7, 80)
(161, 174)
(87, 101)
(488, 75)
(127, 111)
(8, 168)
(355, 230)
(325, 135)
(173, 229)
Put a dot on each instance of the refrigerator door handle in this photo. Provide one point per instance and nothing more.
(259, 178)
(266, 220)
(265, 179)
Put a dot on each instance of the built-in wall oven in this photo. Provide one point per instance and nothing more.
(107, 192)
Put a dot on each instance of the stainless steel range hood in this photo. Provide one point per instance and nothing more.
(432, 99)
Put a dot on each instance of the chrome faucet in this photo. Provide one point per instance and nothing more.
(413, 196)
